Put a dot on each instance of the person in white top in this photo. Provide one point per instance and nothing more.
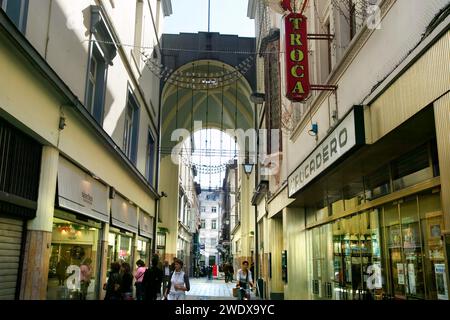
(178, 284)
(244, 281)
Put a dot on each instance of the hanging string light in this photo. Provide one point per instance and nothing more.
(198, 80)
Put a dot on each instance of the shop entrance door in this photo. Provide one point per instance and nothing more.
(413, 229)
(405, 272)
(356, 256)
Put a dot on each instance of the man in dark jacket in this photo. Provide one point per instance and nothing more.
(153, 278)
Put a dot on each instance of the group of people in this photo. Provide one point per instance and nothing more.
(148, 281)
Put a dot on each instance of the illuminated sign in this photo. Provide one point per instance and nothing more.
(297, 68)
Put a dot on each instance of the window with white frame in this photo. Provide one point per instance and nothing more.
(214, 224)
(214, 209)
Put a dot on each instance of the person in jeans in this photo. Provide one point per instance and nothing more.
(245, 281)
(139, 277)
(178, 284)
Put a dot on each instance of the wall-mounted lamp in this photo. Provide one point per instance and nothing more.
(164, 195)
(112, 193)
(62, 123)
(314, 130)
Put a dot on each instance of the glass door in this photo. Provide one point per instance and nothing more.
(396, 266)
(371, 255)
(412, 249)
(433, 250)
(338, 261)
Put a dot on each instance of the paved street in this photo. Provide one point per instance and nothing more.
(204, 289)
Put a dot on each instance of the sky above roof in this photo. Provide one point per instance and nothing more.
(227, 17)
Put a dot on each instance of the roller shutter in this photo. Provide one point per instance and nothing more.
(10, 249)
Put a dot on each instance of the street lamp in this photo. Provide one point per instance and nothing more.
(258, 99)
(248, 168)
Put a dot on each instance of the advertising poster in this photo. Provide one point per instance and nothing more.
(401, 273)
(441, 281)
(411, 278)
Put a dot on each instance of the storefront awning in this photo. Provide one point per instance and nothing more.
(349, 172)
(78, 191)
(145, 224)
(124, 214)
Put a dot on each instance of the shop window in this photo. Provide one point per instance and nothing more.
(377, 184)
(411, 168)
(119, 247)
(432, 223)
(143, 251)
(17, 11)
(74, 264)
(353, 194)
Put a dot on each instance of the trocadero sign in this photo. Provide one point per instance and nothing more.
(296, 52)
(344, 138)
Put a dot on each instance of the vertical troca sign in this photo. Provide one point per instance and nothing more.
(297, 68)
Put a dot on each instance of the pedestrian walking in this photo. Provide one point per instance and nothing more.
(112, 286)
(226, 270)
(230, 272)
(153, 278)
(126, 282)
(178, 284)
(139, 277)
(245, 281)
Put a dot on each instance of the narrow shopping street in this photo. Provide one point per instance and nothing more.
(151, 147)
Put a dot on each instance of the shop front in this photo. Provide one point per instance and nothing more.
(375, 231)
(145, 239)
(81, 210)
(20, 161)
(123, 230)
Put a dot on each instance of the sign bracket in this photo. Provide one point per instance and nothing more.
(323, 87)
(321, 36)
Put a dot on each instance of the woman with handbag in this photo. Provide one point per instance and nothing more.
(178, 284)
(244, 282)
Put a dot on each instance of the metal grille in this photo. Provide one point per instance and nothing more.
(20, 161)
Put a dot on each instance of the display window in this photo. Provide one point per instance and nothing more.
(74, 262)
(143, 250)
(394, 251)
(119, 247)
